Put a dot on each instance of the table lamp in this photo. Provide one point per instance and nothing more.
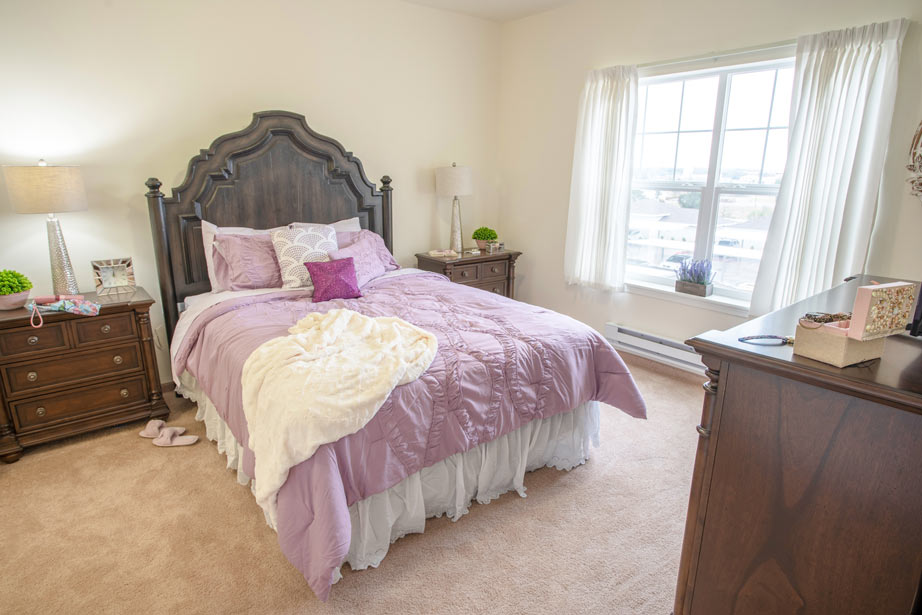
(49, 190)
(454, 181)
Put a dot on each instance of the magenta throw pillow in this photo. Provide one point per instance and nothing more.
(245, 261)
(365, 257)
(334, 280)
(344, 240)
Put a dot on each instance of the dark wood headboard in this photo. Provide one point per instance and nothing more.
(273, 172)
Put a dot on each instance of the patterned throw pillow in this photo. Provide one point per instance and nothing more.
(296, 246)
(334, 280)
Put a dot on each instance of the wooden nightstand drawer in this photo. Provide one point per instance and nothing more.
(103, 329)
(497, 286)
(38, 411)
(496, 269)
(71, 368)
(465, 273)
(26, 340)
(492, 272)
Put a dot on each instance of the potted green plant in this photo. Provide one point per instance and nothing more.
(483, 235)
(14, 289)
(695, 277)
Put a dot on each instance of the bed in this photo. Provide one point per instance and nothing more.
(512, 387)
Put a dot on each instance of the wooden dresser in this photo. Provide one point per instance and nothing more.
(492, 272)
(76, 373)
(807, 489)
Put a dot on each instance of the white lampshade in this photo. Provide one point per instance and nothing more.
(453, 181)
(45, 189)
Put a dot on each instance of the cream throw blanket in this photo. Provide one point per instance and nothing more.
(323, 382)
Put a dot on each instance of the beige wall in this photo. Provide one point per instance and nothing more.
(131, 90)
(545, 59)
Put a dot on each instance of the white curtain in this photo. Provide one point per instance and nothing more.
(841, 109)
(600, 188)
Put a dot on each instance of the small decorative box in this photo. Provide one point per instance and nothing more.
(831, 344)
(882, 310)
(879, 311)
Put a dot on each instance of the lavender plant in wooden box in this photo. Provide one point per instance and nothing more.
(695, 277)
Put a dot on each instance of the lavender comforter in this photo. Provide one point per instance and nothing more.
(500, 364)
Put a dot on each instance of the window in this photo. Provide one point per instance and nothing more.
(709, 153)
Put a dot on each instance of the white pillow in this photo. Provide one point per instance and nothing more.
(305, 243)
(352, 225)
(209, 231)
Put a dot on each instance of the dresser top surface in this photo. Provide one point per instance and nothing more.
(897, 374)
(138, 296)
(469, 258)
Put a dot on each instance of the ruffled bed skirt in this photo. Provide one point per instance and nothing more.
(446, 488)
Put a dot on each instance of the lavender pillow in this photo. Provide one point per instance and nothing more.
(333, 280)
(344, 240)
(245, 261)
(365, 258)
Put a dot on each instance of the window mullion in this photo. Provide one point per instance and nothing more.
(707, 215)
(768, 127)
(678, 133)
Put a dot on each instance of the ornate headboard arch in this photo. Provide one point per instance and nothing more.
(273, 172)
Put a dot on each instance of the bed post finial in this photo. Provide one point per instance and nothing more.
(386, 203)
(154, 185)
(157, 211)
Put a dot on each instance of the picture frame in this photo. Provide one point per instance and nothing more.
(113, 276)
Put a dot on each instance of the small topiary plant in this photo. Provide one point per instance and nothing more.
(12, 282)
(484, 233)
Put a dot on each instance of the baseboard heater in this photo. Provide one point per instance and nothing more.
(649, 346)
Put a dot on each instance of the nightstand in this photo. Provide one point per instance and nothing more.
(76, 373)
(493, 272)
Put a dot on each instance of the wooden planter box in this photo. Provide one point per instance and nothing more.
(690, 288)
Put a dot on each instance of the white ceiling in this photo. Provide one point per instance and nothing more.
(495, 10)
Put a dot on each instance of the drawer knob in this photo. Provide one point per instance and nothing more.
(105, 328)
(40, 411)
(32, 376)
(117, 359)
(496, 290)
(494, 269)
(464, 274)
(33, 340)
(123, 392)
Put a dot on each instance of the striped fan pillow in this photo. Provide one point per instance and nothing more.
(296, 246)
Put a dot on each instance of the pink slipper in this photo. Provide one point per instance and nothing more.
(169, 436)
(155, 427)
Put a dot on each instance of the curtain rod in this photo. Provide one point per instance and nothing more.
(720, 56)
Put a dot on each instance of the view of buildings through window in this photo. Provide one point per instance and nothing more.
(709, 154)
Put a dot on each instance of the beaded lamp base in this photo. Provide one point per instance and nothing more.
(62, 272)
(457, 242)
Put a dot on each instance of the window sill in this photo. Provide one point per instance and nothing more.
(716, 303)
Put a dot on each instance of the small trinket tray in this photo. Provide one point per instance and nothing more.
(879, 311)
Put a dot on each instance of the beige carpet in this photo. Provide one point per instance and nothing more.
(108, 523)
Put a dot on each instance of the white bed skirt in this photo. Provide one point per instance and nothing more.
(446, 488)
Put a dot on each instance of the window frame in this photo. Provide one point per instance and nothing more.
(712, 189)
